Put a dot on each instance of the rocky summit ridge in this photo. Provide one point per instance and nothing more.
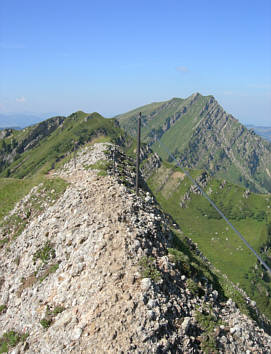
(92, 274)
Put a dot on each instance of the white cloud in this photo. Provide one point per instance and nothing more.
(182, 69)
(21, 99)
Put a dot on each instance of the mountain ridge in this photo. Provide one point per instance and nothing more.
(25, 152)
(200, 134)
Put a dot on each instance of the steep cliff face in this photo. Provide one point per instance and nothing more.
(94, 272)
(225, 148)
(202, 135)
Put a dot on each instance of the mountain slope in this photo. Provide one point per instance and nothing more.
(202, 135)
(85, 278)
(249, 213)
(25, 152)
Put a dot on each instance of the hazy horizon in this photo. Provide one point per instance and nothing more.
(43, 115)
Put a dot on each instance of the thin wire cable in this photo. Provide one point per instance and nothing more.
(163, 146)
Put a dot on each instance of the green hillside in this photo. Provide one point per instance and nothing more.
(27, 155)
(49, 148)
(249, 213)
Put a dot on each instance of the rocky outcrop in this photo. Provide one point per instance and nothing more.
(5, 133)
(92, 274)
(221, 145)
(150, 161)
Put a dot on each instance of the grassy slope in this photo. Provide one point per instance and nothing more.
(31, 166)
(178, 137)
(150, 122)
(129, 120)
(155, 124)
(12, 190)
(203, 225)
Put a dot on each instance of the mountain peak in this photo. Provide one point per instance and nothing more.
(196, 94)
(200, 134)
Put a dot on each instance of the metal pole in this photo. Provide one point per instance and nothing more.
(74, 154)
(138, 153)
(114, 152)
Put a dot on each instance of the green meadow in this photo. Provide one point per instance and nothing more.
(250, 214)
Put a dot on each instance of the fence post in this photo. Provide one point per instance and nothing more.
(74, 154)
(138, 153)
(114, 158)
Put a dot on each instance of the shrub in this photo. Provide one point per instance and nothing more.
(101, 165)
(46, 322)
(2, 308)
(192, 286)
(57, 310)
(3, 241)
(148, 268)
(11, 339)
(208, 322)
(45, 253)
(53, 268)
(180, 259)
(49, 316)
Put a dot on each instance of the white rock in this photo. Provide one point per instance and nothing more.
(232, 330)
(145, 284)
(186, 324)
(151, 314)
(215, 294)
(77, 333)
(152, 303)
(229, 302)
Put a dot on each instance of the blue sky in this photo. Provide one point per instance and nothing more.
(112, 56)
